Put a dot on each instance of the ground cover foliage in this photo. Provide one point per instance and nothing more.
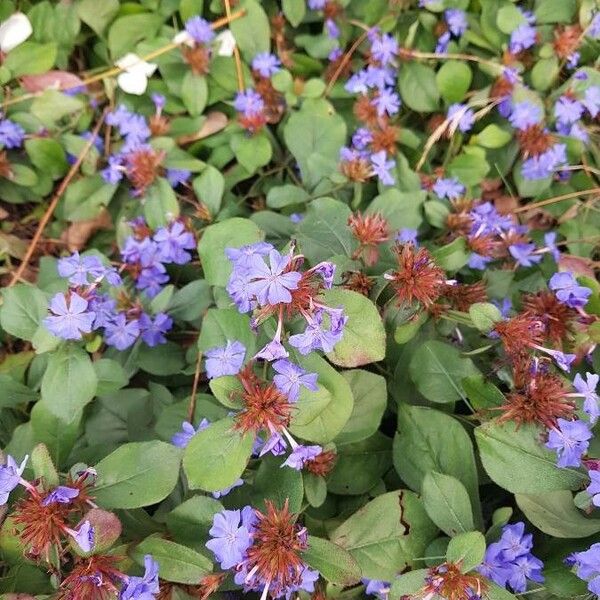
(299, 299)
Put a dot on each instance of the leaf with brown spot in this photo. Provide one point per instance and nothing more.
(60, 80)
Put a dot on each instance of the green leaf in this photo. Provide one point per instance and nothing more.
(252, 32)
(360, 465)
(470, 168)
(447, 503)
(429, 440)
(320, 416)
(51, 106)
(517, 460)
(333, 562)
(555, 513)
(554, 11)
(323, 232)
(294, 11)
(161, 205)
(14, 393)
(30, 58)
(128, 30)
(69, 382)
(59, 434)
(484, 316)
(481, 393)
(194, 93)
(43, 467)
(453, 80)
(221, 325)
(252, 152)
(97, 15)
(370, 401)
(467, 549)
(137, 474)
(111, 376)
(509, 17)
(400, 209)
(492, 136)
(231, 233)
(386, 534)
(48, 156)
(314, 135)
(363, 341)
(176, 563)
(452, 256)
(272, 482)
(408, 584)
(209, 187)
(216, 457)
(164, 359)
(544, 73)
(190, 521)
(418, 87)
(281, 196)
(437, 369)
(85, 198)
(23, 308)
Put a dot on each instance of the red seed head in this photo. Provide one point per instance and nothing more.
(369, 230)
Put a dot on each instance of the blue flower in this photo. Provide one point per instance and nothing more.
(382, 167)
(570, 440)
(226, 360)
(121, 333)
(61, 495)
(449, 187)
(290, 377)
(266, 64)
(153, 330)
(145, 587)
(199, 30)
(11, 134)
(230, 538)
(568, 291)
(10, 475)
(71, 321)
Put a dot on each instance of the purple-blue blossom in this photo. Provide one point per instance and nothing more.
(570, 441)
(523, 254)
(11, 134)
(587, 563)
(290, 377)
(272, 283)
(199, 30)
(568, 110)
(173, 242)
(457, 21)
(84, 536)
(121, 333)
(586, 388)
(61, 495)
(568, 291)
(449, 187)
(301, 455)
(153, 330)
(80, 270)
(591, 100)
(145, 587)
(184, 436)
(230, 538)
(266, 64)
(69, 321)
(509, 561)
(178, 176)
(384, 48)
(461, 116)
(248, 102)
(10, 476)
(225, 360)
(522, 38)
(386, 102)
(593, 489)
(381, 167)
(545, 164)
(525, 114)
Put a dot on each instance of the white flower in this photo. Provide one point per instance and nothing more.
(14, 31)
(134, 78)
(225, 42)
(183, 37)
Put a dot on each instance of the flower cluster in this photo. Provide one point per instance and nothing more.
(264, 550)
(587, 567)
(49, 518)
(85, 307)
(375, 141)
(509, 561)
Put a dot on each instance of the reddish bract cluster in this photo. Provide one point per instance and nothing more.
(417, 278)
(449, 582)
(557, 318)
(322, 464)
(534, 140)
(537, 398)
(143, 167)
(265, 407)
(566, 40)
(93, 578)
(370, 231)
(275, 552)
(198, 58)
(358, 282)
